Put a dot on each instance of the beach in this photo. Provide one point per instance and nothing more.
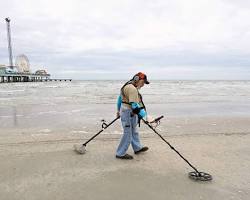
(40, 124)
(50, 169)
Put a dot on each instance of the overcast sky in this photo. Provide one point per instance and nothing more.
(113, 39)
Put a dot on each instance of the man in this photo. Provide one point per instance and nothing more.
(131, 109)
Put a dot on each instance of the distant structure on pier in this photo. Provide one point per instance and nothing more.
(20, 72)
(22, 64)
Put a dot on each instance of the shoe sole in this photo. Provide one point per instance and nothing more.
(124, 158)
(141, 151)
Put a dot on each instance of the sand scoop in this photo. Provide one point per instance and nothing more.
(195, 175)
(81, 148)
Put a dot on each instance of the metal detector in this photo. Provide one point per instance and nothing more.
(195, 175)
(81, 149)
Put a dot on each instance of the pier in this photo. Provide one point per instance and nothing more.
(22, 77)
(58, 79)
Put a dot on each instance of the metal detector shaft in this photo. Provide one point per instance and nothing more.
(170, 145)
(104, 126)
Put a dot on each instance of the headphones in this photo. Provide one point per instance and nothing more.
(136, 78)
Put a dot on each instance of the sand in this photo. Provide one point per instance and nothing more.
(46, 167)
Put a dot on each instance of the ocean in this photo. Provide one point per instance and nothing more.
(77, 107)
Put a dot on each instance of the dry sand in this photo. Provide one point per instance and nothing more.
(46, 167)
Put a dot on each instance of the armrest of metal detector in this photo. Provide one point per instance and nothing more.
(157, 119)
(104, 125)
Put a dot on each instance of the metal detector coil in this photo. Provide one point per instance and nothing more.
(80, 148)
(200, 176)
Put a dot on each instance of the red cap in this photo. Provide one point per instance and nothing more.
(142, 76)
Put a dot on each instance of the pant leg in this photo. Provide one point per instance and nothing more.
(127, 132)
(136, 144)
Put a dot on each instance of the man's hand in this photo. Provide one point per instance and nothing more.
(118, 114)
(150, 119)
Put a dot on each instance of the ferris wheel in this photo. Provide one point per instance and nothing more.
(22, 64)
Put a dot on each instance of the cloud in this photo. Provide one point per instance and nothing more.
(112, 37)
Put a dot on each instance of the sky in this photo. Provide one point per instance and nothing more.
(114, 39)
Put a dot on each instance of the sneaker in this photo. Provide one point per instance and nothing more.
(143, 149)
(126, 156)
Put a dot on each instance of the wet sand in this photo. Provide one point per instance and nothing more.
(44, 166)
